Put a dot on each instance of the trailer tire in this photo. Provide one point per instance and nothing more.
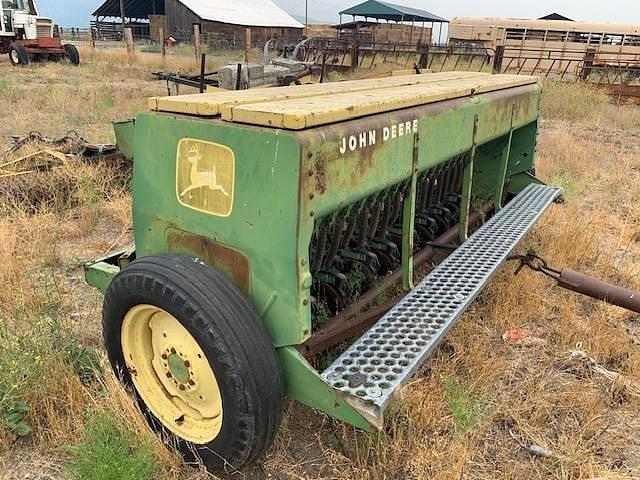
(18, 55)
(232, 339)
(71, 52)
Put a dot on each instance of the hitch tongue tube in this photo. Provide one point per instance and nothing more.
(592, 287)
(581, 283)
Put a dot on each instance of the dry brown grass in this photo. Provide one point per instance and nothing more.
(472, 411)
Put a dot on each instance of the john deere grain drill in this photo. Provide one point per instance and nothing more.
(270, 223)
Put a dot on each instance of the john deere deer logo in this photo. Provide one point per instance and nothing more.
(205, 176)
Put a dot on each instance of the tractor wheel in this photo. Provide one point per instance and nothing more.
(198, 356)
(18, 54)
(71, 52)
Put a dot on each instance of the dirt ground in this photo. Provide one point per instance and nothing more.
(563, 404)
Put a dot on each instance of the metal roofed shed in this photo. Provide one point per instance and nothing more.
(218, 18)
(250, 13)
(355, 25)
(391, 12)
(139, 15)
(134, 9)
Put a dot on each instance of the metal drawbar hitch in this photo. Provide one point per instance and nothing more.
(581, 283)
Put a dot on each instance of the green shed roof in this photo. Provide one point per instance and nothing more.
(389, 11)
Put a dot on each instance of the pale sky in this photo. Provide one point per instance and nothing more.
(77, 13)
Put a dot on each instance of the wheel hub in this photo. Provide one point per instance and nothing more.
(171, 373)
(178, 368)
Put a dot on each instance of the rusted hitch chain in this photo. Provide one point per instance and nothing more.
(82, 147)
(36, 137)
(581, 283)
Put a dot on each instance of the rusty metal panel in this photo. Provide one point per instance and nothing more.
(231, 262)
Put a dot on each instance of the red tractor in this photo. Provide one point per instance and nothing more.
(25, 35)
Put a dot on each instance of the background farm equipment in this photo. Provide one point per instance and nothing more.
(37, 171)
(25, 35)
(241, 76)
(69, 144)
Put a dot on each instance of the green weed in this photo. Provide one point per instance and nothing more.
(110, 451)
(107, 99)
(568, 182)
(37, 341)
(9, 91)
(383, 298)
(467, 408)
(151, 48)
(322, 316)
(355, 281)
(85, 362)
(14, 418)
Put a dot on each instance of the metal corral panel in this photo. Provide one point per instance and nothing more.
(303, 107)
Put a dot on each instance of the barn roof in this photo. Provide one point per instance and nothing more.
(555, 16)
(252, 13)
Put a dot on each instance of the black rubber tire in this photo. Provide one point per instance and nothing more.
(22, 57)
(231, 335)
(72, 54)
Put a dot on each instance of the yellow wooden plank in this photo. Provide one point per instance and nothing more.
(211, 104)
(300, 113)
(153, 103)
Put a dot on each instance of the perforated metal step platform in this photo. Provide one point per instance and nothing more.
(386, 356)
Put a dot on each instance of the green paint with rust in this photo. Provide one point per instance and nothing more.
(285, 181)
(302, 383)
(125, 132)
(100, 274)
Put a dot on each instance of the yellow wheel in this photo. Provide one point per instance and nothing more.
(198, 357)
(171, 373)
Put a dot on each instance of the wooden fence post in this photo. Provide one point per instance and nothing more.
(587, 66)
(196, 40)
(247, 45)
(497, 60)
(203, 72)
(355, 52)
(423, 61)
(128, 38)
(163, 45)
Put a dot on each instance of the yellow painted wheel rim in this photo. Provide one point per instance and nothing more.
(171, 374)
